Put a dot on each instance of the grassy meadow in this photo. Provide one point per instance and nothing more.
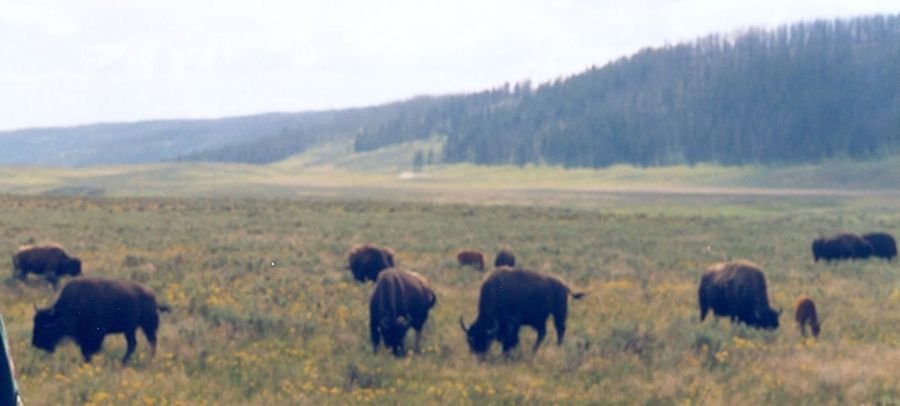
(265, 313)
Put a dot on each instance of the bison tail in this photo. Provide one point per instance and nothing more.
(577, 295)
(164, 308)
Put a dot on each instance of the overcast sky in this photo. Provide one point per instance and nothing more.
(73, 62)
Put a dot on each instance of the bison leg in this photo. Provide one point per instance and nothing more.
(149, 327)
(541, 332)
(90, 347)
(151, 339)
(131, 340)
(399, 350)
(418, 339)
(86, 354)
(376, 337)
(803, 329)
(54, 280)
(510, 338)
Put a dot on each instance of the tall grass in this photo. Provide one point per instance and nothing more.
(265, 313)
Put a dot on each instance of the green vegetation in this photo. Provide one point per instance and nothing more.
(331, 170)
(797, 94)
(264, 312)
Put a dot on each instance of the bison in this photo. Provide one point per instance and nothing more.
(883, 245)
(51, 261)
(399, 301)
(90, 308)
(805, 313)
(737, 289)
(841, 246)
(366, 261)
(505, 257)
(511, 298)
(472, 258)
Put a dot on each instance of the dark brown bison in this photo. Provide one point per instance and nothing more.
(472, 258)
(841, 246)
(737, 289)
(505, 257)
(511, 298)
(883, 245)
(51, 261)
(366, 261)
(90, 308)
(805, 313)
(399, 301)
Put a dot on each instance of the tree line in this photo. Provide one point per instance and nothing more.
(798, 93)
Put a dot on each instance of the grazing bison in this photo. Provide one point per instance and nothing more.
(367, 261)
(471, 257)
(883, 245)
(399, 301)
(841, 246)
(48, 260)
(90, 308)
(505, 258)
(511, 298)
(805, 313)
(737, 289)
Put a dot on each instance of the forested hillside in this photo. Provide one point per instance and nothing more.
(799, 93)
(795, 94)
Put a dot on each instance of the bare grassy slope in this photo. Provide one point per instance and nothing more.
(332, 170)
(265, 314)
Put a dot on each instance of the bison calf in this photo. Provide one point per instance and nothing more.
(399, 301)
(49, 260)
(805, 313)
(737, 290)
(90, 308)
(511, 298)
(471, 258)
(366, 261)
(505, 257)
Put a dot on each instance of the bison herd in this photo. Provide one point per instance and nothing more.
(89, 308)
(852, 246)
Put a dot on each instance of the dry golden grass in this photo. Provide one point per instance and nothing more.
(245, 331)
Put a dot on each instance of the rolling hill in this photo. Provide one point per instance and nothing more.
(804, 93)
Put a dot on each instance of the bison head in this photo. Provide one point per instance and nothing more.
(366, 262)
(768, 318)
(72, 267)
(48, 330)
(394, 331)
(479, 336)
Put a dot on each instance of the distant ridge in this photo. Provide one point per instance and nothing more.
(799, 93)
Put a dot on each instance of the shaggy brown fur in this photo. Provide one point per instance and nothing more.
(399, 301)
(471, 257)
(511, 298)
(48, 260)
(90, 308)
(737, 290)
(805, 314)
(505, 258)
(841, 246)
(366, 261)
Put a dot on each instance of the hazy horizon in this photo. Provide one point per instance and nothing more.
(66, 64)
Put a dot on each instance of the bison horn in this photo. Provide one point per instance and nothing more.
(35, 307)
(463, 325)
